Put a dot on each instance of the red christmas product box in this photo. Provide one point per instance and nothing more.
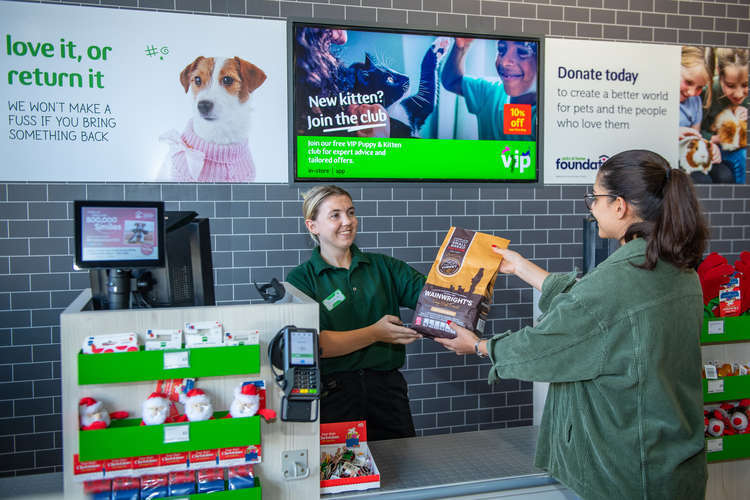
(87, 471)
(173, 461)
(202, 459)
(118, 467)
(346, 463)
(239, 455)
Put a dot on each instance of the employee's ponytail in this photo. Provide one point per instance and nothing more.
(665, 199)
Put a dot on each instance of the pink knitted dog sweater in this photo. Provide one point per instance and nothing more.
(194, 159)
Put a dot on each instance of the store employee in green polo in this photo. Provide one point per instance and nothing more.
(361, 335)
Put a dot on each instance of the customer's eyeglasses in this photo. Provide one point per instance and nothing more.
(590, 197)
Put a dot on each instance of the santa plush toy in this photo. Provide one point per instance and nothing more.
(197, 406)
(155, 409)
(246, 403)
(94, 416)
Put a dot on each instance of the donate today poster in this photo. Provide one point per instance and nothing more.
(95, 94)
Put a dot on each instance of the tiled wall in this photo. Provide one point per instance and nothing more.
(257, 232)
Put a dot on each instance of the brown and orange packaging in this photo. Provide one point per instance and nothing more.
(460, 284)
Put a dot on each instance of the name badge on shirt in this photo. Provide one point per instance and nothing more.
(334, 299)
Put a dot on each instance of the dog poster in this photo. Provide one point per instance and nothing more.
(95, 94)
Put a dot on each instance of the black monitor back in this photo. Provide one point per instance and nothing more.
(187, 277)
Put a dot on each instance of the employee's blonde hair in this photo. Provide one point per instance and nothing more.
(314, 197)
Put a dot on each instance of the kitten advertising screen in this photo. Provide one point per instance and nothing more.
(118, 234)
(375, 105)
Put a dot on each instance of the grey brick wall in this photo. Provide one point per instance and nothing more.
(257, 232)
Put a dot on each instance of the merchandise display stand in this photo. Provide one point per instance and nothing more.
(123, 380)
(727, 340)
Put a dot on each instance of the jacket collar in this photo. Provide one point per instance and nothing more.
(633, 248)
(319, 265)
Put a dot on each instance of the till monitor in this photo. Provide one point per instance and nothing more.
(118, 234)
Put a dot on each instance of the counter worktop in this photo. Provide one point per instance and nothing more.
(449, 465)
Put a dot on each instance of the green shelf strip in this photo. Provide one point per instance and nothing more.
(735, 329)
(127, 438)
(735, 388)
(137, 366)
(245, 493)
(733, 448)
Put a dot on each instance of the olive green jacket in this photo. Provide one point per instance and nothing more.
(624, 411)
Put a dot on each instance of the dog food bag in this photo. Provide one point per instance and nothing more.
(459, 286)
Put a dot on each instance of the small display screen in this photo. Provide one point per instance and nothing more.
(119, 234)
(302, 348)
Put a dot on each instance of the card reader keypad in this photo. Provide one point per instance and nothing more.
(305, 381)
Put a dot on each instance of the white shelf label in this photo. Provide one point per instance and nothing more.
(176, 359)
(715, 386)
(176, 433)
(714, 445)
(715, 327)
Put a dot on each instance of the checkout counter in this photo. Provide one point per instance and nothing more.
(488, 463)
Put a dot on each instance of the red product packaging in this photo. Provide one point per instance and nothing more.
(118, 467)
(239, 455)
(730, 299)
(100, 488)
(146, 464)
(154, 486)
(210, 480)
(173, 461)
(181, 483)
(203, 458)
(126, 488)
(85, 471)
(239, 477)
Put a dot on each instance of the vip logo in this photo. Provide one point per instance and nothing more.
(515, 161)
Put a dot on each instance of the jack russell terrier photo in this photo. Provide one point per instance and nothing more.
(214, 146)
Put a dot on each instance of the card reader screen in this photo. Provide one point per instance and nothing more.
(302, 353)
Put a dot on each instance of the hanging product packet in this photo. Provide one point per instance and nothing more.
(460, 284)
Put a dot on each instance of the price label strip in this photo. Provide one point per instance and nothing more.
(176, 359)
(715, 386)
(176, 433)
(713, 445)
(715, 327)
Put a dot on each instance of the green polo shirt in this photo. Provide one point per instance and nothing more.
(373, 286)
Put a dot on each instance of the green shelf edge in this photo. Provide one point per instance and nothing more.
(127, 438)
(735, 447)
(735, 388)
(736, 329)
(253, 493)
(140, 366)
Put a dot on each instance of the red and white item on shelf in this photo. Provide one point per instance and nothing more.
(203, 459)
(738, 417)
(242, 337)
(91, 470)
(198, 407)
(350, 438)
(240, 477)
(159, 340)
(204, 334)
(730, 297)
(93, 415)
(240, 455)
(155, 409)
(113, 342)
(249, 400)
(174, 389)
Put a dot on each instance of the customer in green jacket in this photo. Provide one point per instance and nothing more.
(624, 411)
(362, 338)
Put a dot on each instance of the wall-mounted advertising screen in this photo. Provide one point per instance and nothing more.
(373, 104)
